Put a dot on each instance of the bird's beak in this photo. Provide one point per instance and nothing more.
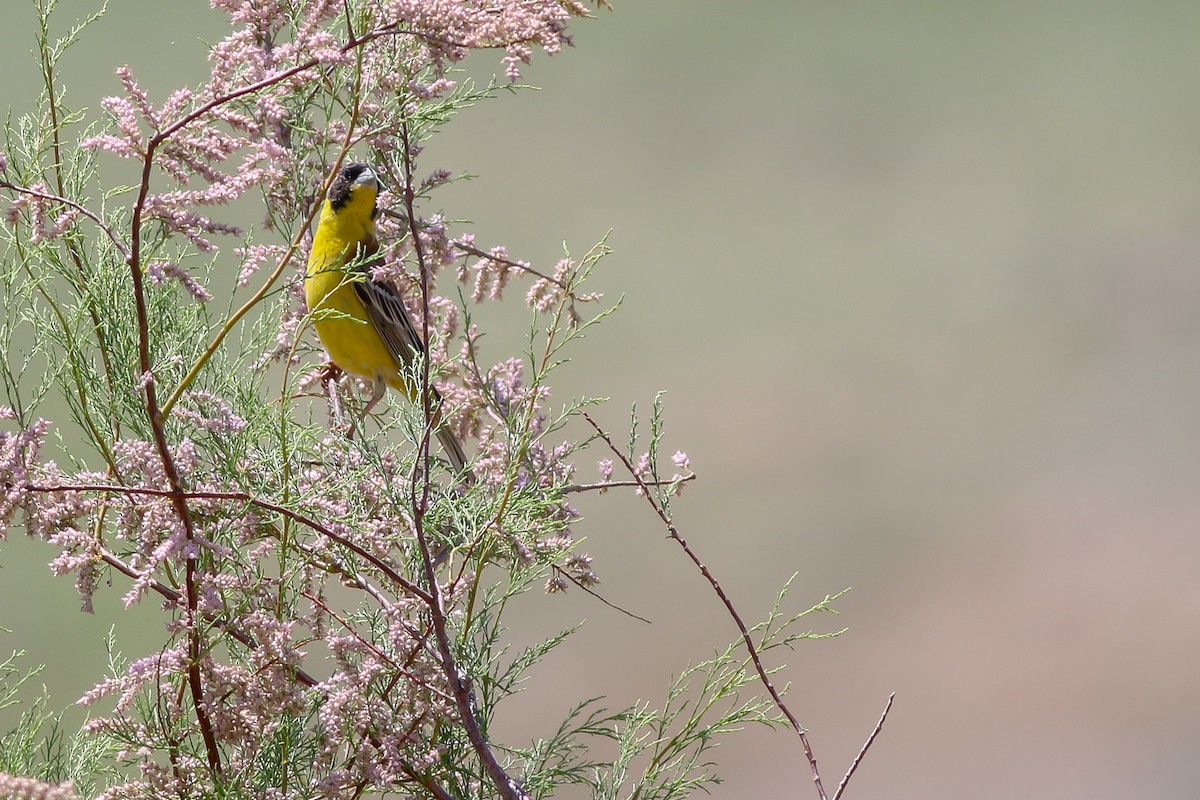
(368, 177)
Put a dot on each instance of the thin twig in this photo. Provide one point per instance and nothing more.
(764, 678)
(866, 746)
(598, 596)
(73, 245)
(601, 486)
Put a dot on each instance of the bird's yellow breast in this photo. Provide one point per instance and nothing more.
(339, 316)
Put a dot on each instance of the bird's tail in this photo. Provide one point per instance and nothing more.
(452, 446)
(450, 443)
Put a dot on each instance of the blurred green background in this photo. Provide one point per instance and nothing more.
(921, 280)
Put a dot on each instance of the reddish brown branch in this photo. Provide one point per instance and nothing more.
(154, 416)
(763, 677)
(866, 746)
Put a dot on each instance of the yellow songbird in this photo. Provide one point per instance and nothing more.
(362, 322)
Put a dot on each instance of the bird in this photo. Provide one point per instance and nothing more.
(362, 322)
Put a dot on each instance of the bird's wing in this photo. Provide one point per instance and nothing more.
(385, 307)
(390, 318)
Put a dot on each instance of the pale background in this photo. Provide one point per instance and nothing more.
(921, 280)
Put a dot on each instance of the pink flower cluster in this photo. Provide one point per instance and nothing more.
(19, 788)
(46, 220)
(18, 454)
(451, 28)
(292, 572)
(385, 690)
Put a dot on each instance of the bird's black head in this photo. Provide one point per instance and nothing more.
(351, 178)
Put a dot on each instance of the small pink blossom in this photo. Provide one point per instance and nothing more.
(606, 471)
(642, 470)
(545, 293)
(253, 257)
(160, 271)
(492, 274)
(212, 413)
(18, 455)
(140, 673)
(48, 218)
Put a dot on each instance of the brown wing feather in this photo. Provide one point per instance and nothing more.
(386, 309)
